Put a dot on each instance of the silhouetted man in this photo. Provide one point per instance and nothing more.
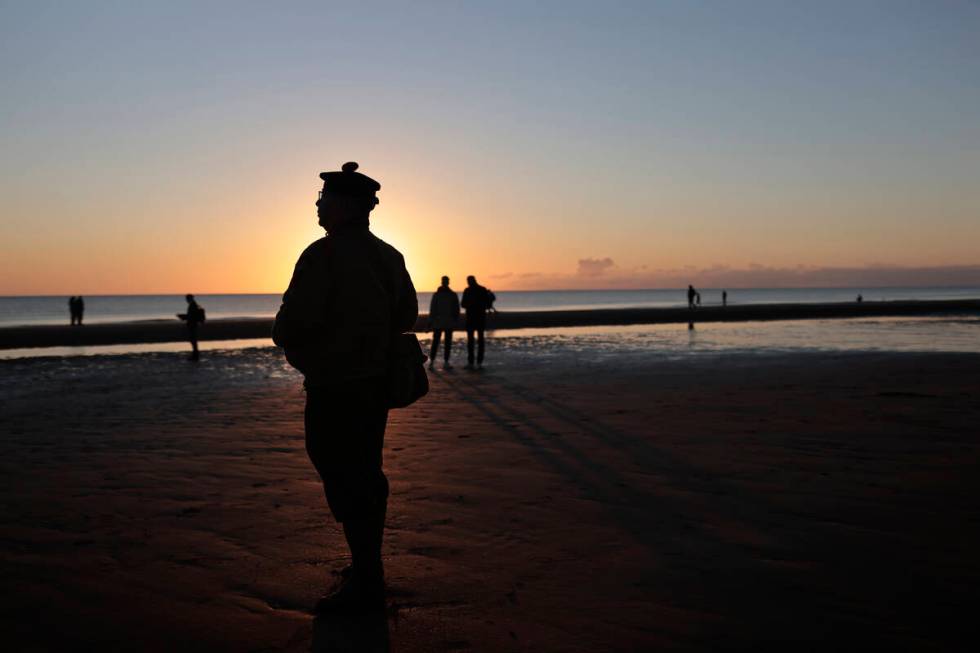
(193, 317)
(443, 315)
(691, 292)
(73, 309)
(79, 309)
(477, 300)
(349, 296)
(724, 298)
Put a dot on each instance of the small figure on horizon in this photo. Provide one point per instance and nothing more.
(477, 300)
(76, 307)
(443, 316)
(691, 292)
(724, 298)
(194, 316)
(860, 299)
(697, 298)
(349, 297)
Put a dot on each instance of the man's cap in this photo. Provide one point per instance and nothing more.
(348, 181)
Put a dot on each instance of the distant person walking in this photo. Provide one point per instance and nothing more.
(349, 298)
(691, 292)
(860, 299)
(724, 298)
(193, 317)
(443, 315)
(697, 298)
(477, 300)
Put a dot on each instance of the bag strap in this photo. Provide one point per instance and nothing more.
(381, 269)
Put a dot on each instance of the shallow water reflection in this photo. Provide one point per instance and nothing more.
(865, 334)
(925, 334)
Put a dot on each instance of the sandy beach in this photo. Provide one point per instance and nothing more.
(726, 502)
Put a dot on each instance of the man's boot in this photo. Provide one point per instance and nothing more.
(363, 588)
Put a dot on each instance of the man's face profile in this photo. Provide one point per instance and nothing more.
(331, 209)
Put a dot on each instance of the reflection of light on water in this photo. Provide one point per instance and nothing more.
(936, 334)
(872, 334)
(141, 348)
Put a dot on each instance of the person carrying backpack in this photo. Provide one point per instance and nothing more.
(477, 300)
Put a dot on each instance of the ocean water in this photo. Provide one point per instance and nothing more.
(123, 308)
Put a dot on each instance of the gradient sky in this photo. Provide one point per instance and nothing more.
(175, 147)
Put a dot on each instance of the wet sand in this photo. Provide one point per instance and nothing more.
(733, 502)
(246, 328)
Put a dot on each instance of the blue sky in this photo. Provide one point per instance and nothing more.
(145, 147)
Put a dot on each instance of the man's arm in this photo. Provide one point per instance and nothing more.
(304, 306)
(407, 311)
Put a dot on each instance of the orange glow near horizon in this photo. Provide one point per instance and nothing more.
(245, 238)
(249, 245)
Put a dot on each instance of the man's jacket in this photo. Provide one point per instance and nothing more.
(443, 309)
(349, 295)
(477, 300)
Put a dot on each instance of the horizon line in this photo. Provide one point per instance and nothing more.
(525, 290)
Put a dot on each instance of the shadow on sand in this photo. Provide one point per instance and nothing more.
(363, 633)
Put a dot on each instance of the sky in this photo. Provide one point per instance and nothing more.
(175, 147)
